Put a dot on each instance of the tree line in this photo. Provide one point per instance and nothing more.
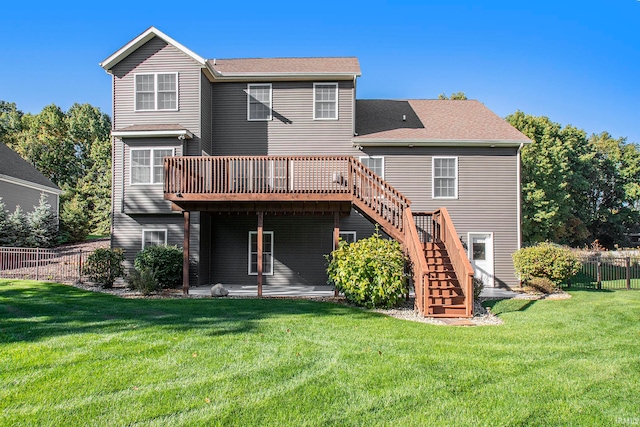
(73, 149)
(576, 188)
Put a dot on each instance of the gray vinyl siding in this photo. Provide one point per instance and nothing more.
(300, 243)
(27, 198)
(206, 118)
(129, 235)
(143, 206)
(292, 131)
(145, 198)
(156, 56)
(487, 193)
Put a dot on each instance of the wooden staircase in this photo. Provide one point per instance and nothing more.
(445, 296)
(442, 274)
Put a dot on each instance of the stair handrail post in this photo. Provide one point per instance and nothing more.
(458, 257)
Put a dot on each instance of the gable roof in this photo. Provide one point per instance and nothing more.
(16, 169)
(252, 68)
(432, 122)
(265, 67)
(137, 42)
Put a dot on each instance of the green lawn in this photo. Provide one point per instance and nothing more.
(70, 357)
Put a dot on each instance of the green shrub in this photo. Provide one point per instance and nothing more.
(143, 281)
(164, 261)
(546, 260)
(104, 266)
(369, 272)
(540, 284)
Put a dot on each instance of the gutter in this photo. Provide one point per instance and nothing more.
(400, 142)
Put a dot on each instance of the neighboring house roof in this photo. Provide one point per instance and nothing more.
(431, 122)
(15, 169)
(153, 130)
(332, 66)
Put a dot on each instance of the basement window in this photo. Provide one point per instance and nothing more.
(154, 238)
(267, 253)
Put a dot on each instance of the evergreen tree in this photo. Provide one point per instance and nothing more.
(19, 227)
(74, 219)
(43, 224)
(6, 234)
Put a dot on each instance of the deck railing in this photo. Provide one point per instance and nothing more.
(201, 175)
(446, 234)
(272, 177)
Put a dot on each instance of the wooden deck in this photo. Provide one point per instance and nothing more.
(321, 185)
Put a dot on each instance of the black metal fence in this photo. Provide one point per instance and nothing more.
(608, 272)
(60, 265)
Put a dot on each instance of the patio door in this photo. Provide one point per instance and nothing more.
(480, 249)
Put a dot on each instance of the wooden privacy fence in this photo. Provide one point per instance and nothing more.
(608, 272)
(58, 265)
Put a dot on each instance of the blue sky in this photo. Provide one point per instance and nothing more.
(577, 62)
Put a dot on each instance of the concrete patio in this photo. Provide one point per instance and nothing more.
(313, 291)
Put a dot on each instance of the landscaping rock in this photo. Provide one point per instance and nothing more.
(218, 290)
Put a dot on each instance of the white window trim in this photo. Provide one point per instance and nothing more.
(255, 233)
(433, 178)
(152, 149)
(373, 157)
(155, 92)
(146, 230)
(337, 100)
(351, 233)
(249, 86)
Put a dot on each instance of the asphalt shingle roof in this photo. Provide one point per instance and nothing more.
(338, 65)
(11, 164)
(431, 120)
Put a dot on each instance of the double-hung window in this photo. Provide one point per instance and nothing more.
(154, 238)
(445, 177)
(325, 101)
(348, 236)
(147, 165)
(156, 91)
(267, 253)
(259, 102)
(374, 163)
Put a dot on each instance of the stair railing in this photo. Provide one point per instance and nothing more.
(415, 250)
(446, 234)
(385, 204)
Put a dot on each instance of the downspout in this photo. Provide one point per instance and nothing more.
(124, 166)
(353, 109)
(519, 189)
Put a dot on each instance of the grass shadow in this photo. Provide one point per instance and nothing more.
(31, 311)
(502, 306)
(591, 290)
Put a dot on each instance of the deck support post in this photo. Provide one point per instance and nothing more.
(260, 256)
(336, 238)
(185, 253)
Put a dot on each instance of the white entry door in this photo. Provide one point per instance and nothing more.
(481, 256)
